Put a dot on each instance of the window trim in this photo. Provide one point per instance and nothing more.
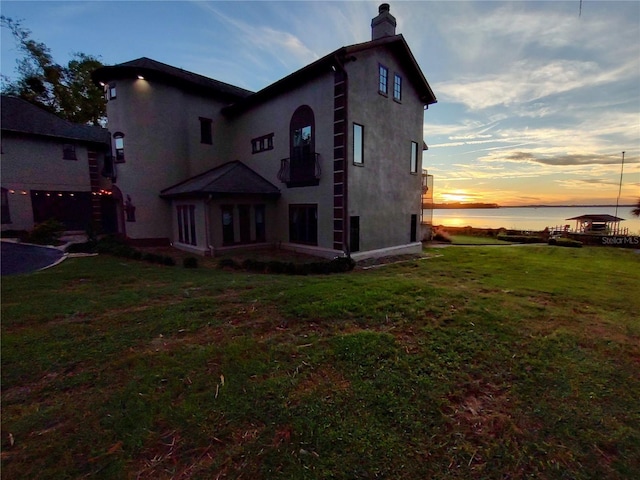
(382, 69)
(361, 144)
(119, 156)
(413, 167)
(206, 130)
(397, 88)
(262, 143)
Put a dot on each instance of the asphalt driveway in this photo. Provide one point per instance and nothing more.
(18, 258)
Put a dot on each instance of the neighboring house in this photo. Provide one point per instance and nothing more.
(326, 160)
(53, 169)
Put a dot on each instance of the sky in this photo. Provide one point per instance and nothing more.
(536, 100)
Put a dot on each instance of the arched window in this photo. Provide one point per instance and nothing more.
(118, 140)
(302, 147)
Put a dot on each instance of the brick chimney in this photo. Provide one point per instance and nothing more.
(384, 25)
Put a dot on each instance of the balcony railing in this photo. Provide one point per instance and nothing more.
(300, 171)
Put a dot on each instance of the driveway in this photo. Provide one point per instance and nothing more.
(18, 258)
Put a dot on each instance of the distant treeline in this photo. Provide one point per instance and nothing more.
(465, 205)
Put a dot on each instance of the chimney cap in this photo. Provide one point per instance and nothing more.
(384, 8)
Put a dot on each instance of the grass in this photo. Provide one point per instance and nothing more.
(476, 240)
(475, 363)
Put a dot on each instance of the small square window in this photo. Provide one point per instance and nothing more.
(69, 152)
(262, 143)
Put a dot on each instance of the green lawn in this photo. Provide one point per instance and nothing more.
(474, 363)
(476, 240)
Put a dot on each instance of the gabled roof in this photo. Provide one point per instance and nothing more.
(23, 117)
(233, 178)
(397, 44)
(597, 217)
(154, 70)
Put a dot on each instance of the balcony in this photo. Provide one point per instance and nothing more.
(300, 171)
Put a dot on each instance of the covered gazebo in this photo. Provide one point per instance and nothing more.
(600, 224)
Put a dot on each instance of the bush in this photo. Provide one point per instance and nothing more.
(521, 238)
(46, 233)
(86, 247)
(116, 246)
(192, 262)
(225, 263)
(442, 236)
(565, 242)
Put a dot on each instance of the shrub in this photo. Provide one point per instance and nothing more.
(192, 262)
(86, 247)
(168, 261)
(565, 242)
(442, 236)
(224, 263)
(521, 238)
(46, 233)
(342, 264)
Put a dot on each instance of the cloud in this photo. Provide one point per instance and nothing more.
(558, 160)
(529, 80)
(259, 41)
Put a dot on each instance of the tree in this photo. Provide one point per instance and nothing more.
(636, 211)
(67, 91)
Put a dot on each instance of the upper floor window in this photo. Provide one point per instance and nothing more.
(118, 140)
(358, 144)
(383, 80)
(304, 167)
(414, 157)
(69, 151)
(112, 91)
(206, 131)
(261, 144)
(397, 87)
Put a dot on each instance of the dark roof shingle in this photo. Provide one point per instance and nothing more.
(233, 178)
(152, 69)
(21, 116)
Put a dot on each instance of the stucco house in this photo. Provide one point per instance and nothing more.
(52, 168)
(325, 161)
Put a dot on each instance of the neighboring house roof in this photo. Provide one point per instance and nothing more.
(597, 217)
(154, 70)
(20, 116)
(232, 178)
(396, 43)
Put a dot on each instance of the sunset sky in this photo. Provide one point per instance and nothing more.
(536, 100)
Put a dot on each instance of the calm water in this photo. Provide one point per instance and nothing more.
(527, 218)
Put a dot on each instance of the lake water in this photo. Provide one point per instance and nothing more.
(527, 218)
